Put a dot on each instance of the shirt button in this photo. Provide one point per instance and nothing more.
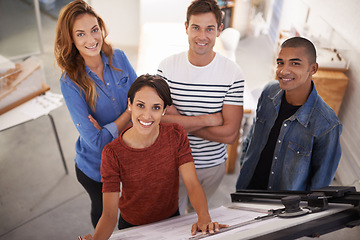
(298, 152)
(272, 172)
(279, 141)
(270, 187)
(113, 99)
(108, 84)
(285, 125)
(275, 158)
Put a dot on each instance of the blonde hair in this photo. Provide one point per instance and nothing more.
(67, 55)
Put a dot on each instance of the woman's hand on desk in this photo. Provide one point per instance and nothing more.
(205, 227)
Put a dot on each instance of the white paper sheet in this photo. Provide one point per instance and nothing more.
(180, 227)
(41, 105)
(37, 107)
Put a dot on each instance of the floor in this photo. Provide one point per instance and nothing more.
(39, 201)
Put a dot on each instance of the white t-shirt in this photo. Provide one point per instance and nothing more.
(203, 90)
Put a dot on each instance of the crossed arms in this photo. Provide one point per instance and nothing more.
(217, 127)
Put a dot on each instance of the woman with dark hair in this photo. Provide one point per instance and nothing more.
(94, 83)
(146, 159)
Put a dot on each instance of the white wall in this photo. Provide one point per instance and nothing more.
(122, 17)
(127, 16)
(163, 10)
(344, 18)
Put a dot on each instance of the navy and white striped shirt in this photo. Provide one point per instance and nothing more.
(203, 90)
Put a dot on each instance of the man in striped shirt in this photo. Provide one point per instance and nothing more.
(207, 91)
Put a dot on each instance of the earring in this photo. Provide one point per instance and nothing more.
(163, 114)
(129, 109)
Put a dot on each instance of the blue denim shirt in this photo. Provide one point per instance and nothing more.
(110, 104)
(308, 147)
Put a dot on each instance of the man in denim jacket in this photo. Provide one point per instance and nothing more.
(295, 140)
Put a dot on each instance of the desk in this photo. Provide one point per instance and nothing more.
(274, 228)
(31, 110)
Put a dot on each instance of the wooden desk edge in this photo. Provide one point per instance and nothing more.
(44, 88)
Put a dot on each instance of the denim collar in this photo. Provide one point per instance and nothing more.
(303, 114)
(105, 61)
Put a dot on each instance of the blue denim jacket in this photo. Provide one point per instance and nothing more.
(110, 104)
(308, 149)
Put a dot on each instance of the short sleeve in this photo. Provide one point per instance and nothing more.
(184, 150)
(110, 170)
(235, 94)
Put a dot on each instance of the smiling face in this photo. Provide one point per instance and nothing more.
(294, 71)
(202, 31)
(87, 36)
(146, 111)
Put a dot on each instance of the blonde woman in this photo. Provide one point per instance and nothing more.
(94, 83)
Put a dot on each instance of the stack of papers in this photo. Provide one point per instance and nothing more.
(41, 105)
(30, 110)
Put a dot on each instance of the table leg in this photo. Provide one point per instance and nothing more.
(232, 155)
(58, 143)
